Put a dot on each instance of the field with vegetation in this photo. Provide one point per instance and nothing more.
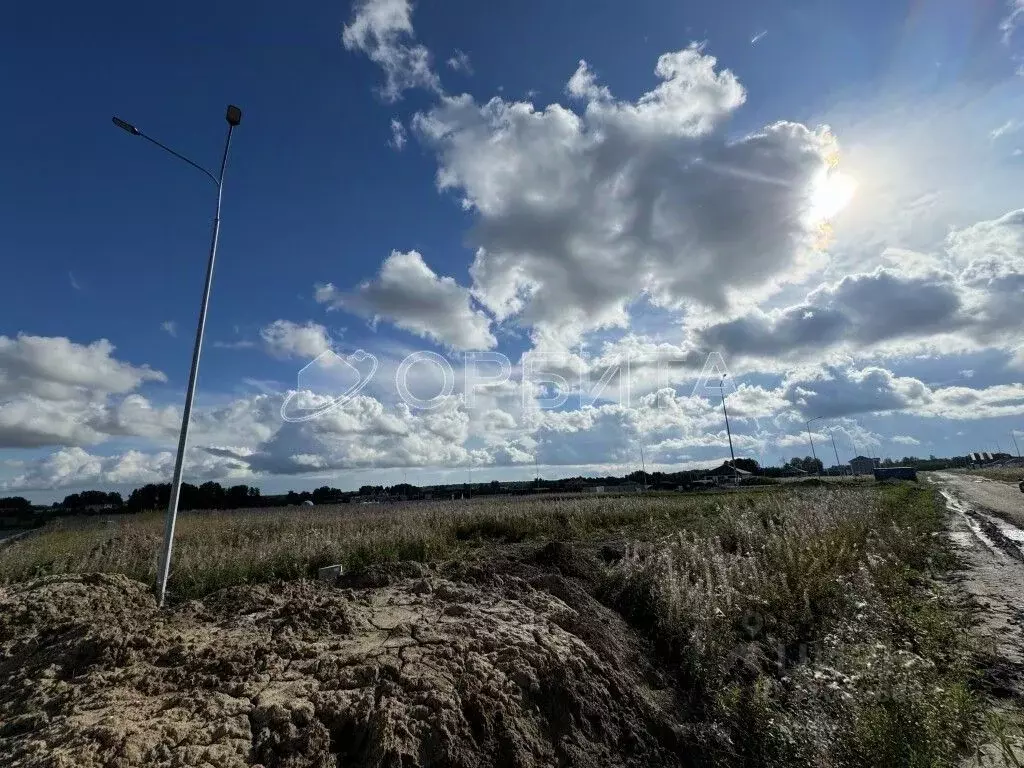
(1005, 474)
(789, 626)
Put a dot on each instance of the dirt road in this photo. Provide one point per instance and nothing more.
(985, 525)
(1004, 499)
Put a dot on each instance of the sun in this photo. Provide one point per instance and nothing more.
(831, 194)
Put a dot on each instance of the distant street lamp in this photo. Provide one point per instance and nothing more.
(809, 437)
(233, 117)
(832, 435)
(735, 470)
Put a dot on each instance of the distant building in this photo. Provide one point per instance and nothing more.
(863, 465)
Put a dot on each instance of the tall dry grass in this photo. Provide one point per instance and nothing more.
(218, 549)
(806, 629)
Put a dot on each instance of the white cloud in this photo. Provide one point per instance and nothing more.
(856, 312)
(56, 392)
(398, 135)
(170, 328)
(459, 62)
(285, 339)
(1009, 127)
(77, 468)
(968, 297)
(409, 294)
(1009, 24)
(382, 29)
(834, 390)
(56, 367)
(758, 37)
(576, 215)
(904, 440)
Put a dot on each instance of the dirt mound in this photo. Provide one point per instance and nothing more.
(453, 666)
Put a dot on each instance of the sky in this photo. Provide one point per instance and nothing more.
(462, 241)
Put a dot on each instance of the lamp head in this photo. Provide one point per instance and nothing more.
(125, 126)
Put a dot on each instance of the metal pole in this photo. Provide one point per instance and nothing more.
(735, 473)
(813, 454)
(1015, 446)
(172, 505)
(832, 435)
(643, 464)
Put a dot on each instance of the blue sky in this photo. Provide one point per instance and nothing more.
(858, 271)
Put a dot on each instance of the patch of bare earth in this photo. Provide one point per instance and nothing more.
(453, 665)
(991, 547)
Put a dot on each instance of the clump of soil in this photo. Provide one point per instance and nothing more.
(455, 665)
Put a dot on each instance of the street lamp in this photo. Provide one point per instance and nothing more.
(813, 454)
(832, 435)
(233, 117)
(735, 471)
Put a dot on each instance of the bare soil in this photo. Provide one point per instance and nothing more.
(512, 664)
(984, 524)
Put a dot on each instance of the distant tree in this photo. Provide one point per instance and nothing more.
(148, 497)
(748, 465)
(238, 496)
(15, 503)
(327, 495)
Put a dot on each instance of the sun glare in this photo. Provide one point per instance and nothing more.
(833, 193)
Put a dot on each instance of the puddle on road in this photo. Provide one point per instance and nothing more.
(970, 517)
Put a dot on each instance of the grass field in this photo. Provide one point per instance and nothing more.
(802, 623)
(219, 549)
(1006, 474)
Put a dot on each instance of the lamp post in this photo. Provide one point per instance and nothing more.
(809, 437)
(735, 472)
(233, 117)
(832, 435)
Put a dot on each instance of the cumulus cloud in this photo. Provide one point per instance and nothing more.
(77, 468)
(968, 297)
(55, 391)
(411, 295)
(858, 310)
(382, 29)
(54, 366)
(578, 214)
(834, 390)
(285, 339)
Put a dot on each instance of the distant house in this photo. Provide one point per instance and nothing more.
(863, 465)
